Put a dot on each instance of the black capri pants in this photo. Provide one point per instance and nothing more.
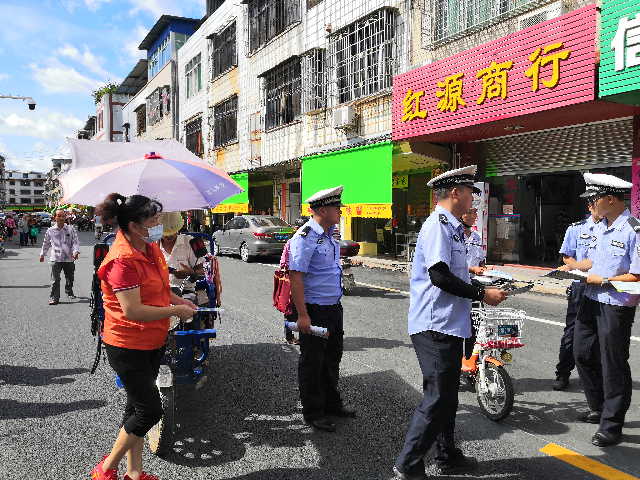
(138, 371)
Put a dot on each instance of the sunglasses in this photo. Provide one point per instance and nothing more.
(592, 200)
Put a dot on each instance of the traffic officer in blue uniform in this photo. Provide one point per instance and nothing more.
(439, 321)
(602, 332)
(574, 248)
(472, 239)
(315, 273)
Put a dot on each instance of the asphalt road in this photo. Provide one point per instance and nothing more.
(57, 420)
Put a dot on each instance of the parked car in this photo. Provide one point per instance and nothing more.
(46, 219)
(251, 236)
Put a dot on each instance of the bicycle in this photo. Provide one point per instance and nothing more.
(496, 331)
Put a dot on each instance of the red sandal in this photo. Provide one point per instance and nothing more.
(98, 473)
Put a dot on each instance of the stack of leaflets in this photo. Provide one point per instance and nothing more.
(627, 287)
(570, 275)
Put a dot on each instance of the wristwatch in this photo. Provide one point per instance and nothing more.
(605, 280)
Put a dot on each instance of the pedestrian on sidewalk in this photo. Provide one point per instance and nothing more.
(63, 241)
(11, 225)
(315, 273)
(602, 332)
(137, 302)
(439, 321)
(23, 229)
(575, 248)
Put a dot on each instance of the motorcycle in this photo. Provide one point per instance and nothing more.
(495, 332)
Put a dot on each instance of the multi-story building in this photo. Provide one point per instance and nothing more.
(512, 87)
(53, 189)
(3, 187)
(25, 190)
(108, 122)
(88, 132)
(152, 113)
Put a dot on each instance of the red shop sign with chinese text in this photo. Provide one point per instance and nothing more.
(546, 66)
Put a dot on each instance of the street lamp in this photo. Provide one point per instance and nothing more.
(32, 102)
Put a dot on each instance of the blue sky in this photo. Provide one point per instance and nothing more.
(59, 51)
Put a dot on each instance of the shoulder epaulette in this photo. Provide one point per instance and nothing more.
(443, 218)
(305, 231)
(635, 224)
(581, 222)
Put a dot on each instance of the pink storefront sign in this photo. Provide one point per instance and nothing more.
(546, 66)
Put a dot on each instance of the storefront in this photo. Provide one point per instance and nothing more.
(232, 206)
(365, 173)
(524, 109)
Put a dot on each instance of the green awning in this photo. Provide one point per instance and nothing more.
(365, 173)
(243, 180)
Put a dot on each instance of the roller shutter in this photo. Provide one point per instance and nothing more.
(584, 147)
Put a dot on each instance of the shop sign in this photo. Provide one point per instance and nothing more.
(400, 181)
(620, 47)
(231, 208)
(546, 66)
(364, 210)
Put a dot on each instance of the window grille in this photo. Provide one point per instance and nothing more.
(283, 94)
(225, 118)
(141, 119)
(314, 80)
(444, 21)
(193, 132)
(25, 200)
(193, 72)
(362, 56)
(25, 192)
(224, 55)
(38, 192)
(12, 191)
(12, 200)
(24, 183)
(267, 18)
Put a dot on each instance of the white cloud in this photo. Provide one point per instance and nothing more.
(155, 7)
(62, 79)
(94, 5)
(3, 76)
(87, 59)
(131, 47)
(53, 126)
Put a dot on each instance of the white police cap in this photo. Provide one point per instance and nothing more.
(477, 204)
(460, 176)
(328, 197)
(598, 183)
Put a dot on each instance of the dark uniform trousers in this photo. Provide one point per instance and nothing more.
(319, 362)
(566, 362)
(601, 347)
(440, 358)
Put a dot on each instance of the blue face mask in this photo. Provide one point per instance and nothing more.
(155, 233)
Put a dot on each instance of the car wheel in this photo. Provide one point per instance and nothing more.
(216, 249)
(244, 253)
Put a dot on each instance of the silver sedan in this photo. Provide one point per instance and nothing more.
(252, 235)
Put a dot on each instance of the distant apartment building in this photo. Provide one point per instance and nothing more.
(25, 190)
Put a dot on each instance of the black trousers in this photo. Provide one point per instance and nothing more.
(440, 358)
(138, 371)
(69, 269)
(319, 362)
(601, 346)
(566, 362)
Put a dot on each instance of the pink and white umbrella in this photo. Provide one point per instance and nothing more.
(162, 169)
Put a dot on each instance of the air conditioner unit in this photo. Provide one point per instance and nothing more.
(344, 117)
(542, 14)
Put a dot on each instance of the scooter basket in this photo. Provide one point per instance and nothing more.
(498, 328)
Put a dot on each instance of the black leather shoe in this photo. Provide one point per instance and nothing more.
(590, 417)
(342, 412)
(322, 424)
(403, 476)
(464, 465)
(602, 438)
(561, 383)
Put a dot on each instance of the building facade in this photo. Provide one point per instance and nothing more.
(25, 190)
(53, 189)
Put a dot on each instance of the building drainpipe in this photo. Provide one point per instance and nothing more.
(175, 117)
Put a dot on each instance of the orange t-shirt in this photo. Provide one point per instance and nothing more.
(153, 275)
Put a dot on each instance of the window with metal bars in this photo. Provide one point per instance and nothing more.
(313, 80)
(225, 122)
(362, 56)
(224, 55)
(141, 119)
(193, 134)
(283, 89)
(267, 18)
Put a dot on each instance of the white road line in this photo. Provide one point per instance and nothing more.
(535, 319)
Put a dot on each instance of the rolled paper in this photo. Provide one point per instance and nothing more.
(210, 310)
(317, 331)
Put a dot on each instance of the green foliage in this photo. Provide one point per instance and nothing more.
(109, 87)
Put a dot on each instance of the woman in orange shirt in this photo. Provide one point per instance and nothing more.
(137, 303)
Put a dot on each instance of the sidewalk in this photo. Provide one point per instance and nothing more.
(519, 272)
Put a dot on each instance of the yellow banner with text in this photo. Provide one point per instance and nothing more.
(231, 208)
(364, 210)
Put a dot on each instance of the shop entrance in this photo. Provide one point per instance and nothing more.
(261, 199)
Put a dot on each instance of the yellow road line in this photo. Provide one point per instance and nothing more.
(381, 288)
(584, 463)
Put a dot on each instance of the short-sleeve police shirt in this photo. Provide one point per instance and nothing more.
(440, 240)
(614, 251)
(578, 239)
(475, 254)
(317, 256)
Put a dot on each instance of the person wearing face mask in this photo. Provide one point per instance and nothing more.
(472, 240)
(137, 303)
